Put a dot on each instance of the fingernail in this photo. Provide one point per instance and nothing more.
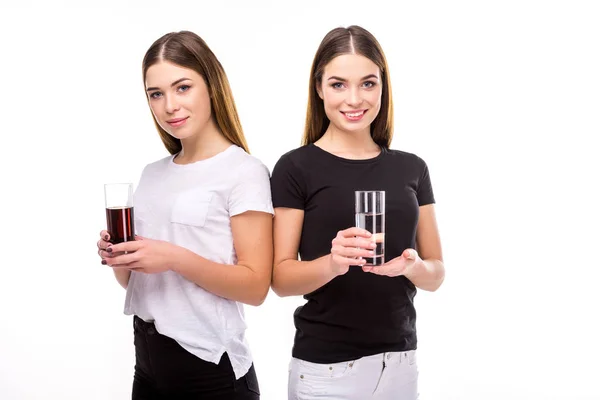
(109, 250)
(105, 237)
(103, 262)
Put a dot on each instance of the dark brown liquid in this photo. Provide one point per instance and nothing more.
(120, 224)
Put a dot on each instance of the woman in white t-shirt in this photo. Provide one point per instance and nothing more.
(204, 220)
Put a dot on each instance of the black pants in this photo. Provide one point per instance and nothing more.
(165, 370)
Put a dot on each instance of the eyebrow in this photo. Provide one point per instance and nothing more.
(337, 78)
(172, 84)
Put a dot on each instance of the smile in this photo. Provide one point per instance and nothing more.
(176, 122)
(354, 115)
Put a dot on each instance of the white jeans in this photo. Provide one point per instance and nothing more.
(384, 376)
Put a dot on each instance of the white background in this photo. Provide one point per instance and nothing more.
(502, 100)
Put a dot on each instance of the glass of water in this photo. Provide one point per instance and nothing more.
(369, 211)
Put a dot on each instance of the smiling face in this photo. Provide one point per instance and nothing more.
(179, 99)
(351, 92)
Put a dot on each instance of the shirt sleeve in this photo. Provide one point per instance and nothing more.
(252, 191)
(424, 189)
(287, 186)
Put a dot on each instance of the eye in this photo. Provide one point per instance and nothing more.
(155, 95)
(183, 88)
(337, 85)
(369, 84)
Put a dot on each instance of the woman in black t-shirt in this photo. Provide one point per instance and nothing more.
(355, 336)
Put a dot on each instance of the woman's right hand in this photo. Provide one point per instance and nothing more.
(349, 247)
(103, 244)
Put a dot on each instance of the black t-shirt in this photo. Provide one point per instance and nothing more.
(358, 313)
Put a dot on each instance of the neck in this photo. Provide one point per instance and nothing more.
(206, 144)
(354, 145)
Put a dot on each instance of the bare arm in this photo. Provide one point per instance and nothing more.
(292, 277)
(428, 273)
(122, 276)
(248, 280)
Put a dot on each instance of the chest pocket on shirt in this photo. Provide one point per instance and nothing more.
(191, 207)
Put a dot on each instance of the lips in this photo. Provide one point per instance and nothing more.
(354, 115)
(175, 122)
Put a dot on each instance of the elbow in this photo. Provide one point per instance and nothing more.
(259, 298)
(278, 287)
(279, 291)
(437, 281)
(431, 276)
(434, 286)
(258, 293)
(255, 299)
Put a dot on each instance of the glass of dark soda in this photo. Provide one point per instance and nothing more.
(118, 199)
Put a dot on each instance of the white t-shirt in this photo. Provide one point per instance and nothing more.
(190, 206)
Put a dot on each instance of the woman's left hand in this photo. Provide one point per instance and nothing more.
(402, 265)
(143, 255)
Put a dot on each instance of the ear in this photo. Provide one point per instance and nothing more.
(319, 89)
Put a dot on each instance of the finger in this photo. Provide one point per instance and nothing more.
(380, 270)
(106, 254)
(352, 252)
(409, 254)
(355, 231)
(133, 266)
(102, 245)
(126, 247)
(367, 269)
(348, 261)
(105, 235)
(123, 260)
(137, 237)
(356, 242)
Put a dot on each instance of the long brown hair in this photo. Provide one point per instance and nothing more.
(339, 41)
(188, 50)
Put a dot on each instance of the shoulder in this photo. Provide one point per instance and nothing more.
(406, 157)
(296, 157)
(246, 164)
(158, 165)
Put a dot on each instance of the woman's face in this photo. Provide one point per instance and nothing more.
(351, 92)
(178, 98)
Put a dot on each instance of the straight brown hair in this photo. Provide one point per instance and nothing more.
(188, 50)
(340, 41)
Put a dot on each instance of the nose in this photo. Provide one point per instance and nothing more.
(171, 104)
(353, 98)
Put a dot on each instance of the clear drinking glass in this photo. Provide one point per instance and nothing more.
(118, 199)
(370, 215)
